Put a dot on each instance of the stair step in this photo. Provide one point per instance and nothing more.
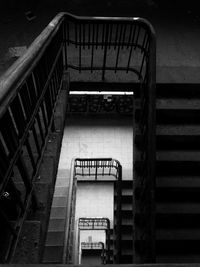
(56, 225)
(177, 246)
(174, 116)
(178, 234)
(61, 191)
(53, 254)
(27, 250)
(59, 201)
(173, 142)
(177, 90)
(170, 195)
(126, 192)
(178, 208)
(183, 131)
(55, 238)
(181, 181)
(126, 206)
(58, 213)
(178, 258)
(166, 168)
(179, 221)
(193, 156)
(182, 104)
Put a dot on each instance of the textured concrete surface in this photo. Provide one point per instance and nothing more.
(177, 29)
(98, 137)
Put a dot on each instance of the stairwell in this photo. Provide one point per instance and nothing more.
(126, 226)
(177, 174)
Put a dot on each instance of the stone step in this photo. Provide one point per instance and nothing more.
(55, 238)
(182, 156)
(178, 130)
(53, 254)
(28, 246)
(56, 225)
(180, 104)
(178, 181)
(178, 234)
(178, 208)
(58, 213)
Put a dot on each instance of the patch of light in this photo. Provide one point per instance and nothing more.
(100, 93)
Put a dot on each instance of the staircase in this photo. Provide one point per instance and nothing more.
(126, 227)
(177, 220)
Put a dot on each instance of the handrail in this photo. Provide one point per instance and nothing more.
(21, 68)
(97, 223)
(29, 92)
(69, 223)
(30, 87)
(96, 167)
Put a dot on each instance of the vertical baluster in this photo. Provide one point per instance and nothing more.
(96, 169)
(124, 36)
(4, 161)
(137, 38)
(93, 44)
(28, 146)
(76, 34)
(83, 35)
(44, 116)
(110, 38)
(68, 36)
(27, 180)
(131, 49)
(89, 26)
(36, 140)
(130, 35)
(65, 43)
(116, 35)
(97, 35)
(103, 36)
(18, 115)
(80, 48)
(105, 52)
(119, 46)
(145, 54)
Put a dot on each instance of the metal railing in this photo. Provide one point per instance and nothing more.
(101, 45)
(97, 46)
(97, 168)
(106, 164)
(95, 245)
(28, 97)
(70, 228)
(98, 223)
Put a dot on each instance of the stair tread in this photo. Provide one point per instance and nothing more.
(56, 225)
(176, 131)
(53, 254)
(182, 156)
(180, 181)
(178, 208)
(183, 103)
(55, 238)
(177, 234)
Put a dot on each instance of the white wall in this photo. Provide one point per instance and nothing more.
(94, 199)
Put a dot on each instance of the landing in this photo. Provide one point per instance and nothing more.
(98, 136)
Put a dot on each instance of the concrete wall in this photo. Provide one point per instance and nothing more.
(94, 200)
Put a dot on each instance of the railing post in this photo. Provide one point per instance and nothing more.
(108, 241)
(105, 52)
(119, 215)
(96, 171)
(27, 182)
